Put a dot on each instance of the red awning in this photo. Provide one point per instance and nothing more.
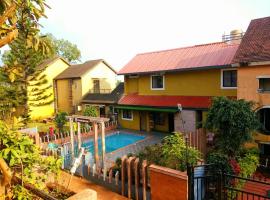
(166, 101)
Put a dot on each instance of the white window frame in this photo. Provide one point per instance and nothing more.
(261, 90)
(128, 119)
(221, 79)
(163, 88)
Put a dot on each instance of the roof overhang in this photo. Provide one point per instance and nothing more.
(181, 70)
(148, 108)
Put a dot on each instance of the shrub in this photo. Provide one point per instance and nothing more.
(60, 120)
(90, 111)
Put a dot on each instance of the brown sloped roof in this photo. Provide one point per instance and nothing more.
(255, 45)
(77, 71)
(186, 58)
(49, 61)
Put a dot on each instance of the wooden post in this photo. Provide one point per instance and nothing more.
(123, 174)
(129, 168)
(103, 143)
(144, 178)
(37, 139)
(71, 137)
(137, 178)
(79, 135)
(96, 143)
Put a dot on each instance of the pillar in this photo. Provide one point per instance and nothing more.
(96, 143)
(79, 136)
(71, 137)
(103, 143)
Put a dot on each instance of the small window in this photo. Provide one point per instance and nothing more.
(127, 115)
(264, 118)
(157, 82)
(229, 79)
(264, 84)
(159, 119)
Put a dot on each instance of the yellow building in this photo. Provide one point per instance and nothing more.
(94, 76)
(50, 68)
(253, 61)
(171, 90)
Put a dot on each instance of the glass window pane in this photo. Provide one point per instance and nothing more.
(157, 81)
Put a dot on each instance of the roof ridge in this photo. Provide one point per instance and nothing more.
(198, 45)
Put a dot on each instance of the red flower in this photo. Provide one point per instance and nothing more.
(235, 166)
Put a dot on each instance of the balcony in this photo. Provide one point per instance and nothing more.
(100, 91)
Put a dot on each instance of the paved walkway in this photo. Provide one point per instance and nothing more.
(78, 184)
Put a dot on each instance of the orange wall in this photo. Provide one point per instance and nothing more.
(168, 183)
(248, 84)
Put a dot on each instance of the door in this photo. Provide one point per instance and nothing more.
(96, 86)
(171, 122)
(143, 121)
(102, 111)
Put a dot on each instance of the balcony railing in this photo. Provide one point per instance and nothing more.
(100, 91)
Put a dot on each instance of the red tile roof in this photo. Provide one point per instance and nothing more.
(166, 101)
(255, 45)
(207, 55)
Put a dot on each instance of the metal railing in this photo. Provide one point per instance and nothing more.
(100, 91)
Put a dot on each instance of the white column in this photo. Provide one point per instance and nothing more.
(103, 143)
(71, 137)
(96, 143)
(79, 136)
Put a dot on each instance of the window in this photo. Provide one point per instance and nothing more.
(264, 85)
(127, 115)
(159, 119)
(157, 82)
(229, 79)
(264, 117)
(96, 86)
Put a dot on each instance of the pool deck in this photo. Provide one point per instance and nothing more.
(151, 139)
(78, 184)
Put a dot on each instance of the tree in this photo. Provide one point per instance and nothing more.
(60, 120)
(67, 50)
(17, 14)
(90, 111)
(24, 159)
(233, 122)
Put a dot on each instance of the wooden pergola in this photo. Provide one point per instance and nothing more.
(95, 121)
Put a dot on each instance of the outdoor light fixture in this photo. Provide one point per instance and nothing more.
(179, 107)
(79, 108)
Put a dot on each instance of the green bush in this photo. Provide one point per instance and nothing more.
(60, 120)
(171, 153)
(90, 111)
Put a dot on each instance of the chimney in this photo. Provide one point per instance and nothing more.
(235, 37)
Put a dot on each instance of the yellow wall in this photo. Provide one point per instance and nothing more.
(130, 124)
(63, 102)
(248, 84)
(51, 72)
(76, 92)
(102, 72)
(192, 83)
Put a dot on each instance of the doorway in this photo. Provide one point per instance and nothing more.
(102, 111)
(171, 122)
(143, 121)
(96, 86)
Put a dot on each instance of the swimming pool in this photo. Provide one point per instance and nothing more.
(113, 141)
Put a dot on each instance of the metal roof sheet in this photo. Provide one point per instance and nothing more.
(198, 56)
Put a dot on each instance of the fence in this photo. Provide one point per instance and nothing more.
(63, 137)
(208, 183)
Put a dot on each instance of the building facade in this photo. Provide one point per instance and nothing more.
(95, 76)
(172, 90)
(51, 68)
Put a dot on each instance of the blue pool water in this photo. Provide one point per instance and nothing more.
(113, 142)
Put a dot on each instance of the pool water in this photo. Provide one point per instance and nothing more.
(113, 142)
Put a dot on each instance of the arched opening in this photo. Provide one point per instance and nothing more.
(264, 118)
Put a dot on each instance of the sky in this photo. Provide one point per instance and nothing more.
(117, 30)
